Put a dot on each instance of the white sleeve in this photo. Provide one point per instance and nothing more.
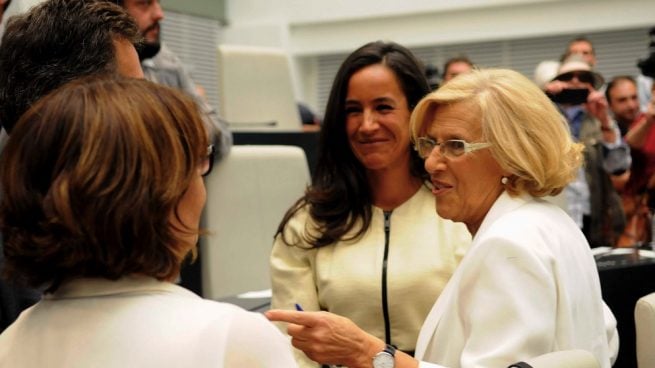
(253, 341)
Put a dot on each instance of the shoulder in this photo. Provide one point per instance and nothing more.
(247, 336)
(531, 217)
(166, 59)
(218, 315)
(537, 227)
(299, 226)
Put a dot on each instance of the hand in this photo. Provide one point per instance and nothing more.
(555, 87)
(597, 106)
(650, 110)
(328, 338)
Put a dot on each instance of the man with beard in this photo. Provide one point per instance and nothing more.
(162, 66)
(621, 94)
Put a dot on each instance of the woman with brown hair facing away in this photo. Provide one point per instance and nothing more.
(102, 197)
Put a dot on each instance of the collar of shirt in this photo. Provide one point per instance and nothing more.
(574, 115)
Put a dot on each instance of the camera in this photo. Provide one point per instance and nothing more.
(647, 66)
(570, 96)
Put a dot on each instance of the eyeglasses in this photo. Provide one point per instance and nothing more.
(208, 161)
(451, 148)
(583, 76)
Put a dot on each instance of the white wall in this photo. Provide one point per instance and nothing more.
(308, 28)
(314, 27)
(20, 6)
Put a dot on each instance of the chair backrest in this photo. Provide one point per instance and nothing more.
(248, 193)
(574, 358)
(645, 329)
(256, 90)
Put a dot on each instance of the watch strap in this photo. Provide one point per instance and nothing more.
(390, 349)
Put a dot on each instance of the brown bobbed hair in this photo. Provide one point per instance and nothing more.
(91, 176)
(530, 138)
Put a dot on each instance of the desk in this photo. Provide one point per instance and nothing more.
(308, 141)
(624, 278)
(250, 304)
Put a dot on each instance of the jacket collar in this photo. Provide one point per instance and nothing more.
(504, 203)
(95, 287)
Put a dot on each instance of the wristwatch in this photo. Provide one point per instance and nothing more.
(385, 358)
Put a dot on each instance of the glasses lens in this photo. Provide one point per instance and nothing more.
(565, 77)
(586, 77)
(582, 76)
(453, 148)
(208, 161)
(425, 147)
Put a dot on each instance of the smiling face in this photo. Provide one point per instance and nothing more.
(465, 187)
(377, 118)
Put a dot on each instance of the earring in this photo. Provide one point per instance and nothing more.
(504, 180)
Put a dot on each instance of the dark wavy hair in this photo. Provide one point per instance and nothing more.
(54, 43)
(91, 176)
(340, 196)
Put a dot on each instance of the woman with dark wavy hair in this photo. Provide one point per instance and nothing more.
(364, 241)
(102, 196)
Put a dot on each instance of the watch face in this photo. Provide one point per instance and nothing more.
(383, 360)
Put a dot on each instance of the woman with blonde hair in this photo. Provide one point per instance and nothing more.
(102, 193)
(494, 146)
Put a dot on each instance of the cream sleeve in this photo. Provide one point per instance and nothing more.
(293, 279)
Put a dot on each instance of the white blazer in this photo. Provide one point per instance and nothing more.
(139, 322)
(528, 286)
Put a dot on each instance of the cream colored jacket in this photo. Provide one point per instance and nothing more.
(346, 277)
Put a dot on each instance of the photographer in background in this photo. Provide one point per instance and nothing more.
(592, 200)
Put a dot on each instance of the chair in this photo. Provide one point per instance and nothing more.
(248, 193)
(645, 330)
(256, 91)
(574, 358)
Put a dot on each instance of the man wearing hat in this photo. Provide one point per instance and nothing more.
(592, 200)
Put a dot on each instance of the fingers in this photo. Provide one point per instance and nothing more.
(308, 319)
(555, 87)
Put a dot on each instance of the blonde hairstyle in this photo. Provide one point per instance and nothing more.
(530, 138)
(91, 176)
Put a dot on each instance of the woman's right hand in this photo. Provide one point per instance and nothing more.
(328, 338)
